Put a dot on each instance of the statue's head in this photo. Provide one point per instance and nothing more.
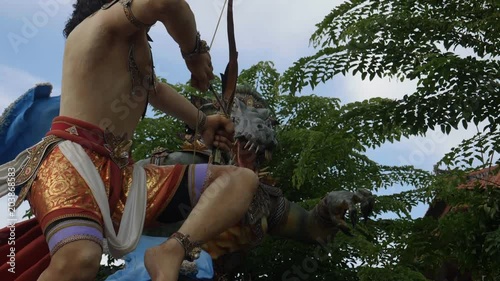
(254, 122)
(82, 10)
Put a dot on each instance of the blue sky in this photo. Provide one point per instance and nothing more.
(31, 48)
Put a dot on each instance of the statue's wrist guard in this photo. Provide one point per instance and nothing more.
(200, 47)
(276, 205)
(192, 250)
(278, 217)
(321, 214)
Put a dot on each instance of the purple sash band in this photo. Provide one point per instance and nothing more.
(197, 181)
(73, 233)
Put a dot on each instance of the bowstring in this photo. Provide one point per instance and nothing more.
(211, 86)
(218, 23)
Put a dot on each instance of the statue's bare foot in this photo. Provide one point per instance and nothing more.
(163, 262)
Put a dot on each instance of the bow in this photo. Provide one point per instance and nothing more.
(230, 76)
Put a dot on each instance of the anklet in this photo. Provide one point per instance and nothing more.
(192, 250)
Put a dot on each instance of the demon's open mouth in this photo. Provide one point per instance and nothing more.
(247, 153)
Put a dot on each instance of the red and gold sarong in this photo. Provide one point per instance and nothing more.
(63, 203)
(64, 206)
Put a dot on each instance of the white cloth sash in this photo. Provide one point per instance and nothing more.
(132, 221)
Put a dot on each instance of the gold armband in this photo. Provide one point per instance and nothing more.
(127, 8)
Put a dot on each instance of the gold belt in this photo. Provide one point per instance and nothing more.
(28, 172)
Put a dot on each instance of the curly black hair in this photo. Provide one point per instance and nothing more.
(83, 9)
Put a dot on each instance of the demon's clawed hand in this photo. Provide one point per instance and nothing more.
(331, 210)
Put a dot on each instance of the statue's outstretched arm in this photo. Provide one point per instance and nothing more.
(322, 222)
(299, 224)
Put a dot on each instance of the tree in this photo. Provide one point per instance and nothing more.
(412, 40)
(418, 40)
(317, 153)
(322, 142)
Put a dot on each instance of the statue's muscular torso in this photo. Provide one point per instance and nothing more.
(97, 84)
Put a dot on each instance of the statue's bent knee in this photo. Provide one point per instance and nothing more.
(79, 263)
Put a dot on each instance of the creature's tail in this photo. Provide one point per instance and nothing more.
(24, 254)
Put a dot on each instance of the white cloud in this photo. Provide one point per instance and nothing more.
(30, 22)
(261, 34)
(355, 89)
(6, 218)
(14, 83)
(14, 9)
(282, 27)
(264, 30)
(421, 152)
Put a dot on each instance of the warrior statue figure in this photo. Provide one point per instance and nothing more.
(270, 212)
(80, 181)
(83, 186)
